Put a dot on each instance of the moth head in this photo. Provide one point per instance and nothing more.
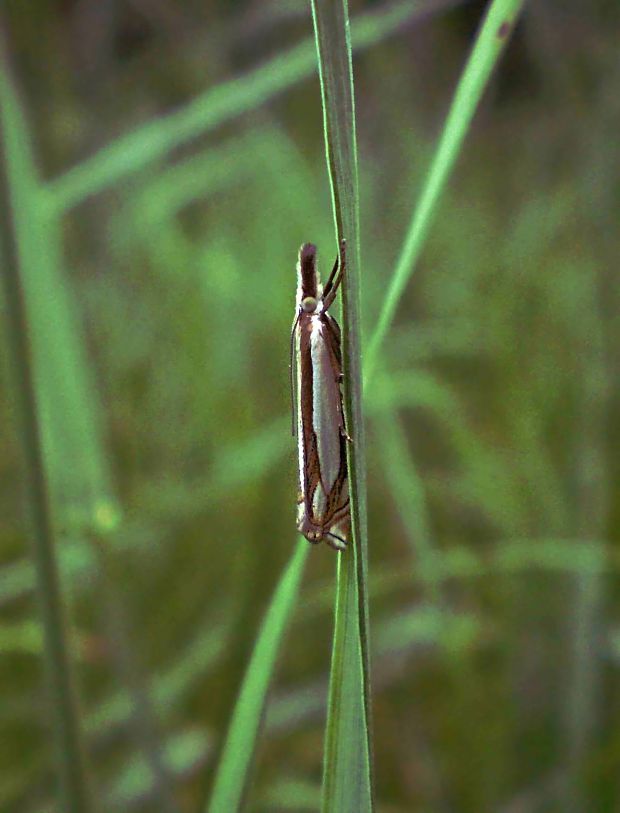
(309, 304)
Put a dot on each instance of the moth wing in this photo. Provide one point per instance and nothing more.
(327, 407)
(306, 439)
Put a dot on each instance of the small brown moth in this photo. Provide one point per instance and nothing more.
(323, 510)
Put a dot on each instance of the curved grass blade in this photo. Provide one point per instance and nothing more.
(489, 45)
(231, 778)
(347, 774)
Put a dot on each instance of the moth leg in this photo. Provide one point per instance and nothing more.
(343, 431)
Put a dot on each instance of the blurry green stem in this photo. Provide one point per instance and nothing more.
(74, 788)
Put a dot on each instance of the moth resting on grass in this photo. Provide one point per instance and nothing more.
(323, 511)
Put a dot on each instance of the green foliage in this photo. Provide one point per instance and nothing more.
(171, 168)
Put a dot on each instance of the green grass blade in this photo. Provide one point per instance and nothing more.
(347, 776)
(347, 781)
(17, 184)
(79, 469)
(492, 38)
(217, 105)
(237, 757)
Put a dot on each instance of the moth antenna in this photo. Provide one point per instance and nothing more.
(330, 280)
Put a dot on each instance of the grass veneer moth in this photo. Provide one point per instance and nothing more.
(323, 510)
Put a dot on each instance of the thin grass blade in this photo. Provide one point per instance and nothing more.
(17, 186)
(347, 774)
(490, 43)
(233, 772)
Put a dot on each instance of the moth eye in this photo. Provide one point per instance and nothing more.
(309, 304)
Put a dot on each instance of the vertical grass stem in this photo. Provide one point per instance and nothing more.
(347, 775)
(75, 794)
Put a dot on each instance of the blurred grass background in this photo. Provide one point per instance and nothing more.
(161, 306)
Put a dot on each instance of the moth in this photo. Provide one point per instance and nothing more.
(323, 510)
